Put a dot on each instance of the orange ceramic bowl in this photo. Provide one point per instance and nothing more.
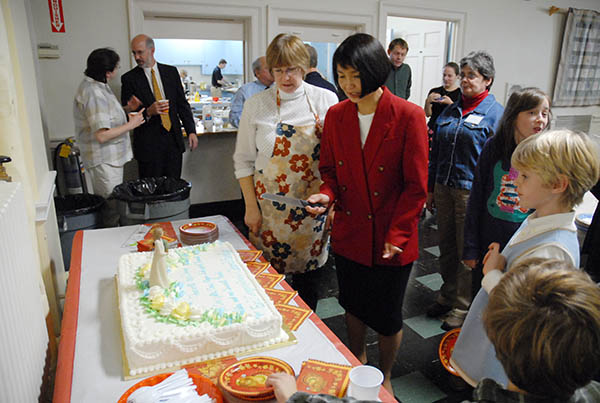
(203, 386)
(198, 228)
(445, 349)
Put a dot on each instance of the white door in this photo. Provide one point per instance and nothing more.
(426, 55)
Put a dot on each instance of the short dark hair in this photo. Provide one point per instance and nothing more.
(312, 52)
(100, 62)
(222, 61)
(481, 62)
(398, 42)
(543, 319)
(454, 66)
(365, 54)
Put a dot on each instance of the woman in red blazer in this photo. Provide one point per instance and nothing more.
(374, 166)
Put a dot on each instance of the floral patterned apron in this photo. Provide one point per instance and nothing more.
(290, 238)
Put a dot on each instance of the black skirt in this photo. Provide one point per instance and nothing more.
(373, 294)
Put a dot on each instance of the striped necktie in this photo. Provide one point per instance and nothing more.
(165, 119)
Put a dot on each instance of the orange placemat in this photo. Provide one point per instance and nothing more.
(268, 280)
(211, 368)
(249, 255)
(323, 377)
(257, 267)
(280, 296)
(293, 316)
(169, 235)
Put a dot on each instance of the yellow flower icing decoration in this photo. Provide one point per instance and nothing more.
(157, 302)
(145, 269)
(182, 312)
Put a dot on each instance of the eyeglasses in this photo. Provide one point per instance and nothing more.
(469, 76)
(289, 71)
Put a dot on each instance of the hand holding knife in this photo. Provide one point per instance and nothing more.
(290, 200)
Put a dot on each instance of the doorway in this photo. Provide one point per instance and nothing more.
(430, 44)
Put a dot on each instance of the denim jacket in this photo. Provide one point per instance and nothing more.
(458, 141)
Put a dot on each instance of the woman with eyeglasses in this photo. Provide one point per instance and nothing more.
(460, 130)
(102, 128)
(374, 169)
(277, 152)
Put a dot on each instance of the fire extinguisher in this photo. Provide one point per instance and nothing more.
(69, 168)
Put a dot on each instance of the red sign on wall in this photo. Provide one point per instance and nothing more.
(57, 20)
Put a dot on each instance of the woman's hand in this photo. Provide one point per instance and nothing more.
(136, 119)
(433, 97)
(319, 198)
(389, 251)
(472, 263)
(493, 260)
(283, 384)
(430, 203)
(253, 219)
(446, 100)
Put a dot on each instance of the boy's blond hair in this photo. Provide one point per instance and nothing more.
(561, 152)
(543, 319)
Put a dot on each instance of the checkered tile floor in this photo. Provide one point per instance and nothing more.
(418, 375)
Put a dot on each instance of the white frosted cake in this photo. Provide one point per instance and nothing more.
(213, 307)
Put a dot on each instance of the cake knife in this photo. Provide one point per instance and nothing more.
(289, 200)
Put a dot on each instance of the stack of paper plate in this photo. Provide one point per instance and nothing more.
(198, 232)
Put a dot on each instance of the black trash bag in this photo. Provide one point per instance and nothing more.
(152, 189)
(78, 204)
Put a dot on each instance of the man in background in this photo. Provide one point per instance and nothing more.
(217, 76)
(313, 76)
(400, 78)
(264, 79)
(158, 144)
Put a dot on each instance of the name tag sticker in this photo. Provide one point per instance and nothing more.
(474, 119)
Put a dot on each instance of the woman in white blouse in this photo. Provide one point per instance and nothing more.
(277, 151)
(102, 128)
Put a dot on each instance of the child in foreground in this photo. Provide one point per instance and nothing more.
(539, 303)
(555, 169)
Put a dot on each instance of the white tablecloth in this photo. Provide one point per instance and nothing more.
(97, 364)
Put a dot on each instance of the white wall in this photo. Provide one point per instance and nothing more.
(89, 24)
(523, 39)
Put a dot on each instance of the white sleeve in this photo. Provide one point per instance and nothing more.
(245, 153)
(544, 251)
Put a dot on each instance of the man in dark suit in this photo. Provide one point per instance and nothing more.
(313, 76)
(158, 144)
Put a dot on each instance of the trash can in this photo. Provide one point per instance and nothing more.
(74, 213)
(152, 200)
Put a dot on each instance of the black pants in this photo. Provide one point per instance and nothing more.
(167, 164)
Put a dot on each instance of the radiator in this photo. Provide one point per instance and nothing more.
(23, 333)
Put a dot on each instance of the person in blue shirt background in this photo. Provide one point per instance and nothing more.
(264, 79)
(460, 132)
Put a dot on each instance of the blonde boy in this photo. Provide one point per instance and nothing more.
(555, 169)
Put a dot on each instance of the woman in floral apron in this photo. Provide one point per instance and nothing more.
(277, 151)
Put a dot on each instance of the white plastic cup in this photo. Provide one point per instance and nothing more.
(365, 382)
